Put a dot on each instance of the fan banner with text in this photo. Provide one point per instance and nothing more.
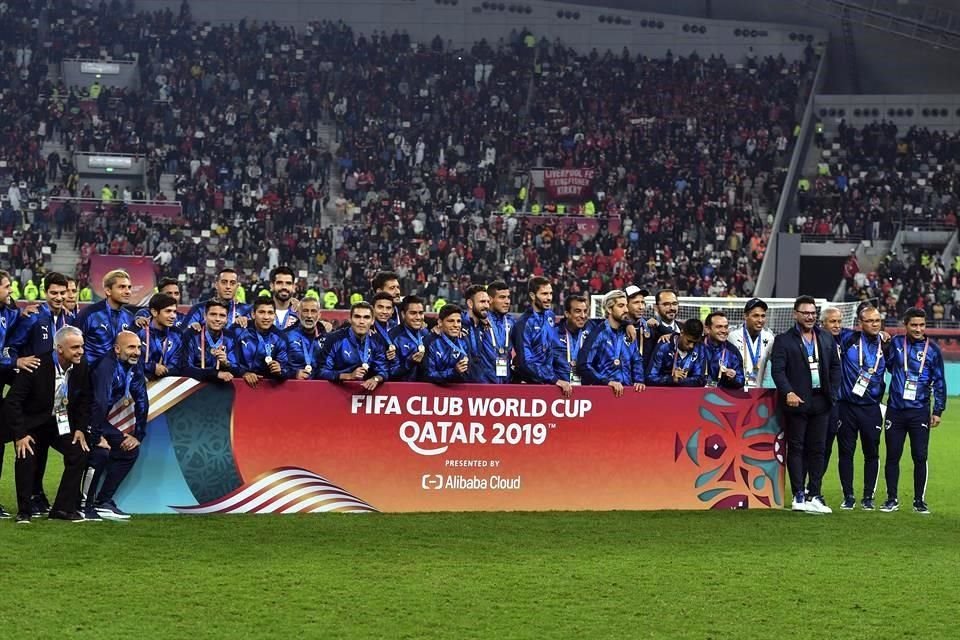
(310, 447)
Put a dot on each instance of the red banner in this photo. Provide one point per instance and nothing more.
(420, 447)
(143, 278)
(568, 183)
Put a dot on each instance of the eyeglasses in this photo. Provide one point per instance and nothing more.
(807, 313)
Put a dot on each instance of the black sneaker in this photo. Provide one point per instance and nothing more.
(40, 504)
(867, 504)
(4, 514)
(110, 511)
(23, 518)
(90, 515)
(69, 516)
(849, 503)
(919, 506)
(890, 506)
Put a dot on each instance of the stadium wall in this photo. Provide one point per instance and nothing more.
(932, 111)
(463, 22)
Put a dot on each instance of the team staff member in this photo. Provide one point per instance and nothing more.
(101, 322)
(534, 338)
(117, 379)
(501, 324)
(608, 358)
(162, 343)
(487, 364)
(383, 312)
(806, 369)
(679, 362)
(169, 287)
(916, 371)
(350, 354)
(209, 350)
(723, 366)
(51, 407)
(238, 314)
(409, 337)
(754, 342)
(447, 357)
(262, 350)
(282, 288)
(832, 320)
(863, 364)
(664, 322)
(389, 282)
(571, 335)
(305, 339)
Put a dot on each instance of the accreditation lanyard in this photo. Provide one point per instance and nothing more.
(571, 352)
(456, 347)
(753, 354)
(264, 346)
(163, 346)
(812, 348)
(906, 358)
(127, 380)
(54, 324)
(62, 387)
(364, 351)
(280, 322)
(876, 361)
(501, 347)
(214, 345)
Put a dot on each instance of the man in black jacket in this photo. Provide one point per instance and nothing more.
(51, 407)
(806, 370)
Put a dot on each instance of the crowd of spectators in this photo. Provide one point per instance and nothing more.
(433, 151)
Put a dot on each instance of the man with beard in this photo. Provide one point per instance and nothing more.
(484, 361)
(534, 338)
(209, 350)
(383, 314)
(638, 331)
(51, 407)
(161, 341)
(753, 341)
(389, 282)
(118, 380)
(664, 322)
(351, 355)
(305, 339)
(571, 335)
(723, 366)
(608, 358)
(101, 322)
(262, 350)
(409, 337)
(238, 314)
(282, 288)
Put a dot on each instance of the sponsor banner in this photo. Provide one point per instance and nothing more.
(569, 184)
(143, 278)
(300, 447)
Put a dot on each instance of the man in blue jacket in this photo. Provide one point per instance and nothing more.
(262, 350)
(916, 370)
(447, 356)
(305, 339)
(169, 287)
(209, 351)
(162, 344)
(534, 339)
(608, 357)
(572, 333)
(226, 285)
(680, 361)
(409, 337)
(489, 359)
(863, 363)
(101, 322)
(384, 313)
(723, 367)
(118, 381)
(352, 355)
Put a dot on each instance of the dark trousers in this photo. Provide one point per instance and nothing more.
(864, 421)
(806, 440)
(74, 463)
(41, 469)
(899, 425)
(833, 426)
(109, 467)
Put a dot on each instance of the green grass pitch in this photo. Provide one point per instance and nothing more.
(746, 574)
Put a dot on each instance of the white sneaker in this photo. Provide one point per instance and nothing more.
(800, 505)
(815, 505)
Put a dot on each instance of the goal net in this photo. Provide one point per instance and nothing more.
(779, 312)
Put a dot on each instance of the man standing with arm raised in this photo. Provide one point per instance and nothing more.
(806, 369)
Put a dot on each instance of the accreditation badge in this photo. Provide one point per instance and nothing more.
(503, 368)
(910, 386)
(862, 384)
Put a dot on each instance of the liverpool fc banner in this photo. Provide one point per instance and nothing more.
(300, 447)
(572, 184)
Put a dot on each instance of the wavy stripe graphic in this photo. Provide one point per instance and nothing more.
(285, 490)
(163, 394)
